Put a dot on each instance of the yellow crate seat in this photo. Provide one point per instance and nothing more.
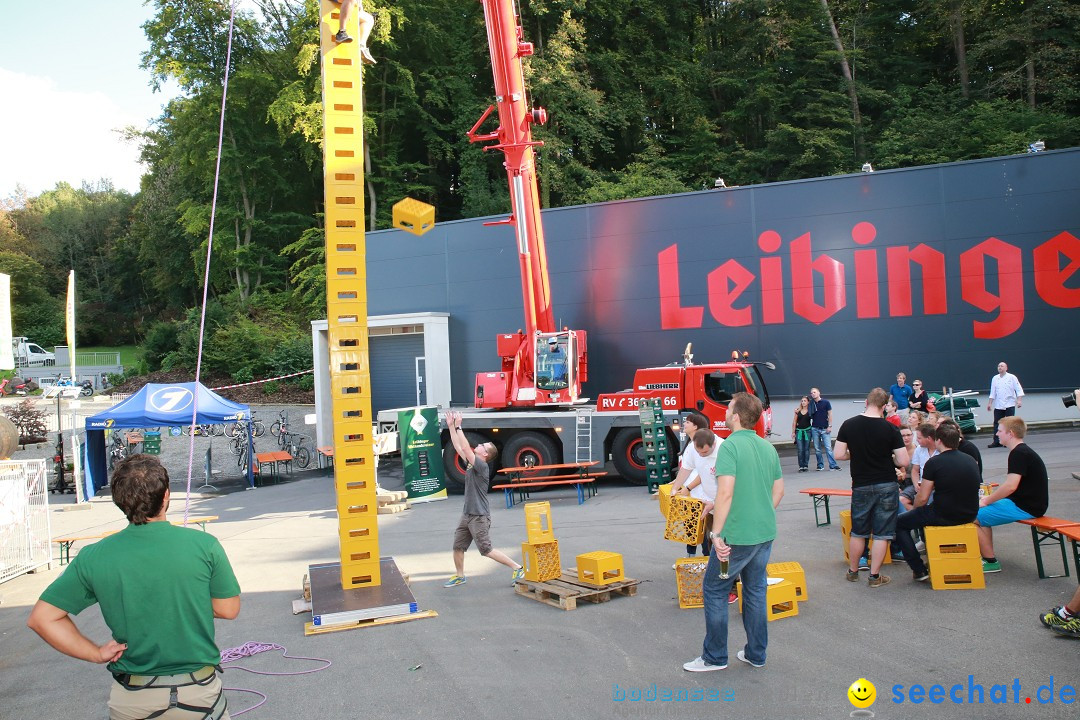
(664, 493)
(689, 578)
(685, 521)
(780, 600)
(538, 525)
(790, 571)
(957, 574)
(541, 561)
(845, 533)
(952, 541)
(600, 567)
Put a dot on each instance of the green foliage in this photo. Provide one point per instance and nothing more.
(161, 339)
(271, 388)
(28, 419)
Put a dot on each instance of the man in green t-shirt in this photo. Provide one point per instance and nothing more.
(159, 587)
(750, 485)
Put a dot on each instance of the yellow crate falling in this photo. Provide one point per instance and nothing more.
(600, 567)
(685, 520)
(957, 573)
(413, 216)
(780, 600)
(538, 525)
(845, 534)
(541, 561)
(689, 577)
(952, 542)
(790, 571)
(664, 493)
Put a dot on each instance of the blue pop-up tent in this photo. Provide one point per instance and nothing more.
(157, 405)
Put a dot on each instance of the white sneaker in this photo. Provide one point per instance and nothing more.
(742, 656)
(699, 665)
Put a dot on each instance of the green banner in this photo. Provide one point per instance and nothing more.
(421, 453)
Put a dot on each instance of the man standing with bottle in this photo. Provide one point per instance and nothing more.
(750, 485)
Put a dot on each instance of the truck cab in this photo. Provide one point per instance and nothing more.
(28, 354)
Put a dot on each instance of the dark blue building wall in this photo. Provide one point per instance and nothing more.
(610, 264)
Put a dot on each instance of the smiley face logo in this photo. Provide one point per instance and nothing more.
(862, 693)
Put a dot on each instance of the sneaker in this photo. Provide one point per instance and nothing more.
(864, 564)
(820, 469)
(732, 597)
(699, 665)
(742, 656)
(365, 56)
(519, 574)
(836, 468)
(991, 567)
(879, 581)
(920, 546)
(454, 581)
(1053, 618)
(342, 37)
(994, 445)
(1070, 628)
(920, 576)
(804, 469)
(853, 576)
(898, 556)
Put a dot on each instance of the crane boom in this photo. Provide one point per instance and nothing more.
(542, 365)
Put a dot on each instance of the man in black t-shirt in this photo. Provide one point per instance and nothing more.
(966, 446)
(1025, 494)
(952, 479)
(875, 449)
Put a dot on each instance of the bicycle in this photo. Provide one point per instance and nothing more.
(300, 454)
(240, 442)
(205, 430)
(258, 429)
(280, 427)
(117, 448)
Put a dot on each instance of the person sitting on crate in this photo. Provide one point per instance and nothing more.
(948, 495)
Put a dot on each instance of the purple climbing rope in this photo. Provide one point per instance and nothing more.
(232, 655)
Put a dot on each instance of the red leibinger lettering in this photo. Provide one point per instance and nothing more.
(991, 277)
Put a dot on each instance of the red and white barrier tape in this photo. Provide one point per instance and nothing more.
(257, 382)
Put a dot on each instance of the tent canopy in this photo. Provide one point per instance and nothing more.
(154, 406)
(158, 404)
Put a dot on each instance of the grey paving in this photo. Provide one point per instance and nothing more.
(491, 654)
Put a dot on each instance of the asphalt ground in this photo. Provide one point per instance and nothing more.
(493, 654)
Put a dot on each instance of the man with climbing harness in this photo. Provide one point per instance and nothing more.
(159, 587)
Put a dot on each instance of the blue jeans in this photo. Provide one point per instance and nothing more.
(823, 437)
(874, 509)
(747, 562)
(802, 441)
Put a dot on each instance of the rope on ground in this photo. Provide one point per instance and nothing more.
(231, 655)
(256, 382)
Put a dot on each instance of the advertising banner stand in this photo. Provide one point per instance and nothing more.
(421, 454)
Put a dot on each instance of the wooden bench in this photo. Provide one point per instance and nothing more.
(326, 456)
(1072, 533)
(583, 483)
(272, 459)
(1049, 530)
(821, 497)
(522, 478)
(68, 540)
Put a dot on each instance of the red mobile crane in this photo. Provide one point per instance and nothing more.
(532, 407)
(540, 365)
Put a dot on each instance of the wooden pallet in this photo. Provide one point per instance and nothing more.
(565, 592)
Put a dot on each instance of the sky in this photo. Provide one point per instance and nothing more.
(69, 78)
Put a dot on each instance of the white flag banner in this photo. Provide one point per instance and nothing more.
(7, 356)
(71, 321)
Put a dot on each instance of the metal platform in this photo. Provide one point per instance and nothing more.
(333, 605)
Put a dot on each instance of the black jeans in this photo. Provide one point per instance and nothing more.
(914, 519)
(998, 414)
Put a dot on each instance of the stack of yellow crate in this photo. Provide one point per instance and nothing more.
(953, 555)
(540, 553)
(845, 533)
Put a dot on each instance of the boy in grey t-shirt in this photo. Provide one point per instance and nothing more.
(475, 523)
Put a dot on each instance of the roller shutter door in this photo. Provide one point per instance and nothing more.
(393, 370)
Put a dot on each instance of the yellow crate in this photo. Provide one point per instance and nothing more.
(413, 216)
(600, 567)
(790, 571)
(664, 493)
(689, 577)
(685, 520)
(952, 542)
(360, 574)
(541, 561)
(538, 525)
(780, 600)
(845, 534)
(957, 574)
